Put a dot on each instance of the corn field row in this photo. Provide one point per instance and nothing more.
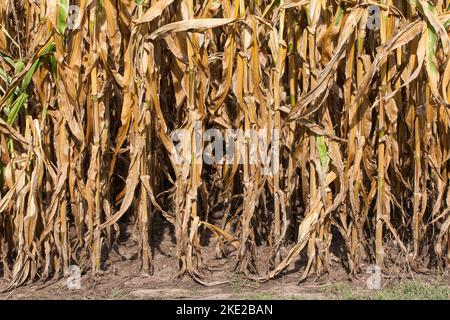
(88, 103)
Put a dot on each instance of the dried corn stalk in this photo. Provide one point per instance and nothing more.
(352, 96)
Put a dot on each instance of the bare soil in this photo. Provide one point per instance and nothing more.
(123, 279)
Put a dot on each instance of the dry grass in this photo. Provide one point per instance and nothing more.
(86, 117)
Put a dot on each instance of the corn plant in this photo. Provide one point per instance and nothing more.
(353, 95)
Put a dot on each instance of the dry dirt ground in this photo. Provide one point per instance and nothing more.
(120, 286)
(122, 279)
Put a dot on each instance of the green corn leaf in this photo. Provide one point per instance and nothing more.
(323, 152)
(16, 107)
(63, 13)
(53, 64)
(8, 59)
(338, 16)
(4, 76)
(19, 66)
(27, 80)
